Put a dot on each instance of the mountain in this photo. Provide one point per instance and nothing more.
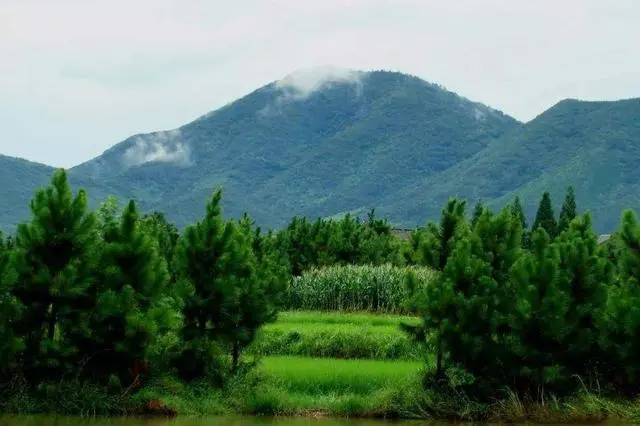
(289, 149)
(18, 180)
(323, 142)
(594, 146)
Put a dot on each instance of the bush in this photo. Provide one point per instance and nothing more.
(354, 288)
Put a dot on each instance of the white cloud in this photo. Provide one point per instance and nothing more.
(302, 83)
(160, 147)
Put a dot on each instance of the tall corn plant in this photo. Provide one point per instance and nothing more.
(354, 288)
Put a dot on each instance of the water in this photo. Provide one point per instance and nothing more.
(216, 421)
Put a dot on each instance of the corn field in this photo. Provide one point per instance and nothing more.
(354, 288)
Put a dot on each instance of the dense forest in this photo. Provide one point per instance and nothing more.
(112, 297)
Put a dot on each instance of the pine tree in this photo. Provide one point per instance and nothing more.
(55, 260)
(620, 322)
(585, 272)
(299, 243)
(474, 298)
(209, 259)
(107, 216)
(254, 293)
(10, 344)
(165, 233)
(132, 305)
(435, 248)
(518, 213)
(545, 218)
(346, 241)
(477, 212)
(538, 321)
(568, 211)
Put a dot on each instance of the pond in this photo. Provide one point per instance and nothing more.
(215, 421)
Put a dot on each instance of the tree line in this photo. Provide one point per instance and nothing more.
(107, 295)
(547, 311)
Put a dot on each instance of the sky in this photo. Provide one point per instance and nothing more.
(78, 76)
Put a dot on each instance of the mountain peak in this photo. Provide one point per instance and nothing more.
(307, 80)
(325, 140)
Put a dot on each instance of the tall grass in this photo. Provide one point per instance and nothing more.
(354, 288)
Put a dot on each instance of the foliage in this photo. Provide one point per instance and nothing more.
(473, 298)
(621, 319)
(518, 213)
(231, 295)
(346, 241)
(545, 218)
(477, 212)
(55, 259)
(434, 247)
(10, 343)
(132, 307)
(568, 211)
(354, 288)
(111, 297)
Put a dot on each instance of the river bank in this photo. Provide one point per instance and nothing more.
(265, 396)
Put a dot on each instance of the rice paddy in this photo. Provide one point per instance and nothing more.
(340, 363)
(335, 335)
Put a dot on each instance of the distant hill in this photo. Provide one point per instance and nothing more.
(18, 180)
(325, 142)
(594, 146)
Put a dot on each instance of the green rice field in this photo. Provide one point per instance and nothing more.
(336, 335)
(341, 363)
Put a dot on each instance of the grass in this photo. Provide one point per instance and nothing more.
(355, 318)
(322, 386)
(344, 336)
(385, 384)
(318, 376)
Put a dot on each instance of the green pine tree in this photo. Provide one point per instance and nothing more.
(164, 232)
(619, 324)
(473, 299)
(435, 247)
(568, 211)
(254, 293)
(477, 212)
(208, 259)
(132, 304)
(538, 321)
(518, 213)
(55, 261)
(585, 272)
(10, 310)
(545, 217)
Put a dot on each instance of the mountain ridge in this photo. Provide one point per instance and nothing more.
(321, 146)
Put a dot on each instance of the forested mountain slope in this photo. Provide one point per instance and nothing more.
(349, 141)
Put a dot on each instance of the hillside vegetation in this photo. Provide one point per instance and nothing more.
(381, 140)
(477, 316)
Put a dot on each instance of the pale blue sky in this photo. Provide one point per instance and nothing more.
(77, 76)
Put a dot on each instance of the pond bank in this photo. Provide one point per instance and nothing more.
(273, 399)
